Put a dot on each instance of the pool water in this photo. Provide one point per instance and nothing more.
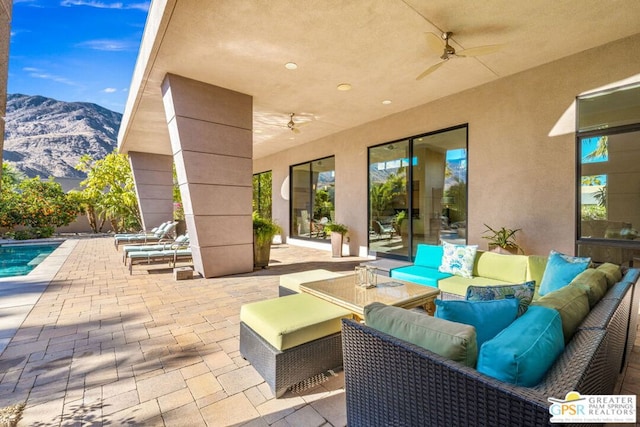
(20, 259)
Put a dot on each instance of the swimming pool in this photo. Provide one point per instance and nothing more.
(20, 258)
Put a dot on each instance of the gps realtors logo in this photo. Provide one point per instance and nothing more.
(593, 408)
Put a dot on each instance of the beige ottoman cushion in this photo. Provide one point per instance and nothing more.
(294, 280)
(289, 321)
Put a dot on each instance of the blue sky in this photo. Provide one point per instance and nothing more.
(75, 50)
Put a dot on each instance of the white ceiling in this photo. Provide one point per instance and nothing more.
(378, 46)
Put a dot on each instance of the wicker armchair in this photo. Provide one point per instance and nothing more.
(390, 382)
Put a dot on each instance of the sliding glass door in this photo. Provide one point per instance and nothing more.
(419, 201)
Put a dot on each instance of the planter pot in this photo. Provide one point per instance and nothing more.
(504, 251)
(336, 245)
(261, 254)
(181, 227)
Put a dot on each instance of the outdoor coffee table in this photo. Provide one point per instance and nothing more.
(344, 292)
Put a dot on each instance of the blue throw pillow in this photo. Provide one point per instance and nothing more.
(560, 271)
(524, 351)
(488, 317)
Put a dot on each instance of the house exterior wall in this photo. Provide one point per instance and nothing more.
(519, 175)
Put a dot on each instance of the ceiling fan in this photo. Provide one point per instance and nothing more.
(441, 44)
(292, 125)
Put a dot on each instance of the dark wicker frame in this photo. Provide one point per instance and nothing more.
(283, 369)
(390, 382)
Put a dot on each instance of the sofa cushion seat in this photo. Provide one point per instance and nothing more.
(523, 352)
(418, 274)
(458, 285)
(502, 267)
(293, 320)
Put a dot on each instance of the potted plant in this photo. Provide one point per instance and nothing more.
(264, 230)
(337, 232)
(503, 240)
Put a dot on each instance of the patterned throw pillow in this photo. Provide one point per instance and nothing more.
(458, 259)
(523, 292)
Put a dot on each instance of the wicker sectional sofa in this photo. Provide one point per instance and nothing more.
(389, 381)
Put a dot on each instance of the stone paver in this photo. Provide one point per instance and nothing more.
(100, 347)
(97, 346)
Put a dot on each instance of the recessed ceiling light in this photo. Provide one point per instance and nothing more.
(344, 86)
(386, 102)
(257, 131)
(290, 65)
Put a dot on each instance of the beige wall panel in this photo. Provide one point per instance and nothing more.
(158, 192)
(225, 200)
(215, 169)
(222, 261)
(207, 137)
(220, 230)
(197, 100)
(153, 177)
(519, 176)
(150, 162)
(159, 206)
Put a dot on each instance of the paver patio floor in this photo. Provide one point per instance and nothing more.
(102, 347)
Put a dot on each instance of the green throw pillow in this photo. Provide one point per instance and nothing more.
(572, 303)
(612, 272)
(522, 292)
(594, 282)
(454, 341)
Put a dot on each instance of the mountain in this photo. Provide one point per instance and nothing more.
(47, 137)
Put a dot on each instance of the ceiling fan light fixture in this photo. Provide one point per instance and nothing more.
(344, 87)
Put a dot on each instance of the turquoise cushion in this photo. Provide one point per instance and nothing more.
(420, 275)
(561, 270)
(488, 317)
(452, 340)
(428, 256)
(524, 351)
(458, 259)
(522, 292)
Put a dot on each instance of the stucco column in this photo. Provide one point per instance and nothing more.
(212, 143)
(153, 177)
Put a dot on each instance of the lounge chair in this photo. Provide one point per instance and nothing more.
(159, 236)
(127, 249)
(380, 229)
(172, 255)
(141, 232)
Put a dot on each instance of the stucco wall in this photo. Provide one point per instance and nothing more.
(519, 176)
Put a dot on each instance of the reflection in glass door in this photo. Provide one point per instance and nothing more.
(389, 199)
(419, 201)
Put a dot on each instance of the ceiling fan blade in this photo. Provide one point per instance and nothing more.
(480, 50)
(430, 70)
(435, 42)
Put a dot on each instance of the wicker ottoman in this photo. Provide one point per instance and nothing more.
(290, 283)
(290, 339)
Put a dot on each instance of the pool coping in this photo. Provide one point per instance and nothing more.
(19, 294)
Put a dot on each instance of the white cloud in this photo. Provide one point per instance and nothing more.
(109, 45)
(144, 6)
(110, 90)
(40, 74)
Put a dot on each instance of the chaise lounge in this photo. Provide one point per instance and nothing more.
(160, 235)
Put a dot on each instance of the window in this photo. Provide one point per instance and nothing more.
(312, 198)
(262, 194)
(422, 200)
(608, 150)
